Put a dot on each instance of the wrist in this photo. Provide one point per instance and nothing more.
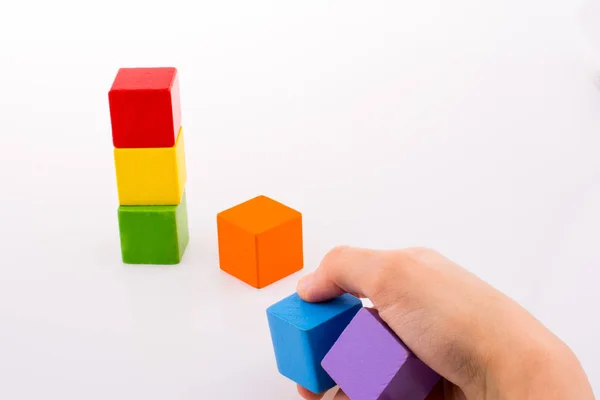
(544, 368)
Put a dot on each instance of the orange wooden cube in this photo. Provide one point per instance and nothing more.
(260, 241)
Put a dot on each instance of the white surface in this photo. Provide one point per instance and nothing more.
(471, 127)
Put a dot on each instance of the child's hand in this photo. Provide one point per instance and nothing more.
(484, 344)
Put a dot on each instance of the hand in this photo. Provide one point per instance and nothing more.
(436, 394)
(483, 343)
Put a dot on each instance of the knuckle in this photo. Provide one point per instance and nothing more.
(418, 253)
(385, 274)
(333, 260)
(412, 256)
(333, 257)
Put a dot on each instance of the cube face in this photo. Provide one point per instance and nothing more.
(260, 241)
(302, 333)
(280, 252)
(369, 362)
(151, 176)
(153, 234)
(259, 214)
(292, 344)
(415, 380)
(145, 107)
(237, 252)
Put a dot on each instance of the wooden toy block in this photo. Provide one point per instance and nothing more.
(437, 393)
(302, 333)
(369, 362)
(151, 176)
(260, 241)
(153, 234)
(144, 107)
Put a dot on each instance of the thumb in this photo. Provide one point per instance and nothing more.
(344, 270)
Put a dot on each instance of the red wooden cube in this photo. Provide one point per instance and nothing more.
(144, 107)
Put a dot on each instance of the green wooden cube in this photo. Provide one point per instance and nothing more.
(153, 234)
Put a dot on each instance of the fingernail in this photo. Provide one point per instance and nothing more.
(305, 284)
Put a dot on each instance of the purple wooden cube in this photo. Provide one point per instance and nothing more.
(369, 362)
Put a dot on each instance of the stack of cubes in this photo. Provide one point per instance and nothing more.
(149, 158)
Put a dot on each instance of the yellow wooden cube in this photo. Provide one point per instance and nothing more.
(151, 176)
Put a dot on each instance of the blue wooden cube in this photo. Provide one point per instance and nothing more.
(302, 333)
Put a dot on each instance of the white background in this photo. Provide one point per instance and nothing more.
(469, 126)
